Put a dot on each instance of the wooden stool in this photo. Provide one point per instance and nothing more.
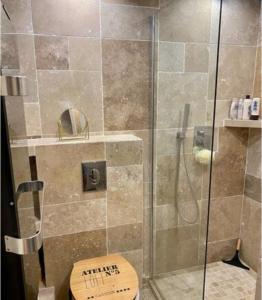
(104, 278)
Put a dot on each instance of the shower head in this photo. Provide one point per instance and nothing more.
(182, 133)
(186, 116)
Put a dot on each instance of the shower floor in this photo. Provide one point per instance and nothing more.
(223, 282)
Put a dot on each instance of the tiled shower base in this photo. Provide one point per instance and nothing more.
(223, 282)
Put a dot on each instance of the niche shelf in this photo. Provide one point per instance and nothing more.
(243, 123)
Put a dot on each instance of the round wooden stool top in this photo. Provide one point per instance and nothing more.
(104, 278)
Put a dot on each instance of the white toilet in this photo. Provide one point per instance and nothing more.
(109, 277)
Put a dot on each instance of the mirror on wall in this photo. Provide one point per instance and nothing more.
(73, 124)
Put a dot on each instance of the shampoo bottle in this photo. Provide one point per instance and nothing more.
(255, 109)
(233, 109)
(240, 109)
(247, 108)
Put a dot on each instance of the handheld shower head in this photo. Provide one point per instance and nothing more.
(5, 11)
(182, 134)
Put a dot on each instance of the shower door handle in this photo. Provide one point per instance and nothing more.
(32, 244)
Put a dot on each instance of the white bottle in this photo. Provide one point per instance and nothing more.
(247, 108)
(240, 109)
(233, 109)
(255, 109)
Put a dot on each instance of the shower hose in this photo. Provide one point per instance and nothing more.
(181, 143)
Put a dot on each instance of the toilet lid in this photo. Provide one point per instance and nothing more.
(105, 278)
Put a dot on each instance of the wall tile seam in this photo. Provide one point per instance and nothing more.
(101, 65)
(46, 205)
(180, 72)
(56, 71)
(125, 40)
(222, 241)
(251, 175)
(253, 201)
(156, 8)
(70, 234)
(255, 70)
(112, 168)
(127, 224)
(35, 66)
(224, 198)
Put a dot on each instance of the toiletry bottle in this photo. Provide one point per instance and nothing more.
(233, 109)
(247, 108)
(240, 109)
(255, 109)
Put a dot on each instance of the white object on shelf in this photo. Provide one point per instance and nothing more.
(243, 123)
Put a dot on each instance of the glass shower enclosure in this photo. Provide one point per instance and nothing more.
(183, 135)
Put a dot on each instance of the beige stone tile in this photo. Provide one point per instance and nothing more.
(62, 17)
(222, 112)
(224, 220)
(125, 238)
(253, 187)
(221, 250)
(21, 16)
(174, 91)
(251, 233)
(258, 285)
(124, 195)
(126, 80)
(254, 153)
(27, 221)
(146, 136)
(51, 52)
(21, 167)
(124, 153)
(229, 166)
(171, 57)
(257, 82)
(241, 27)
(196, 58)
(52, 161)
(166, 179)
(212, 68)
(32, 117)
(126, 22)
(63, 251)
(68, 218)
(32, 274)
(148, 3)
(189, 211)
(185, 21)
(59, 90)
(166, 141)
(9, 52)
(18, 53)
(147, 194)
(147, 241)
(176, 248)
(166, 216)
(235, 79)
(85, 54)
(147, 294)
(135, 258)
(16, 117)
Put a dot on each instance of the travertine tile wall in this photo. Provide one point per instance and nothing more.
(239, 71)
(251, 213)
(93, 55)
(79, 225)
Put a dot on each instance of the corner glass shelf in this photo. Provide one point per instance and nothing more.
(243, 123)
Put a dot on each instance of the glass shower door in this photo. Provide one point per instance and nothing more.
(183, 145)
